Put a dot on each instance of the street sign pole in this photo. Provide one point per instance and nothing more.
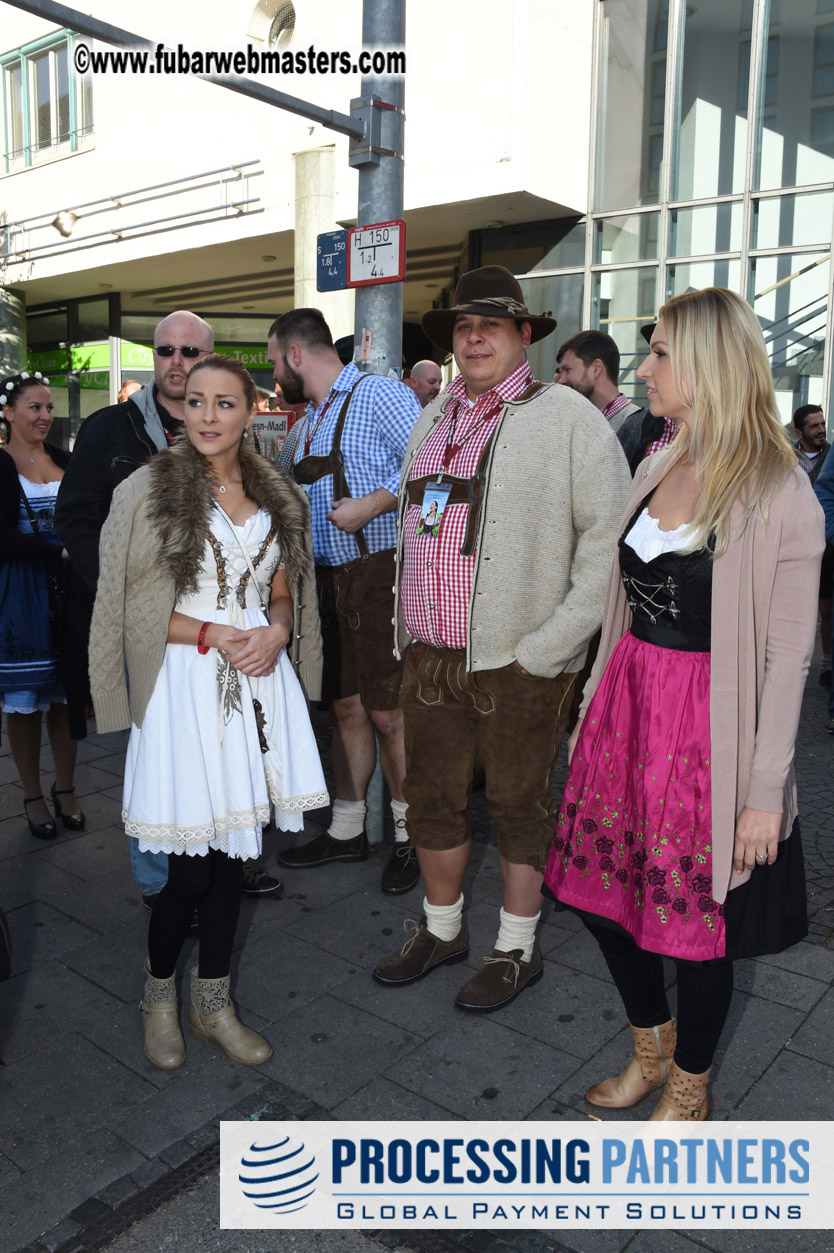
(379, 309)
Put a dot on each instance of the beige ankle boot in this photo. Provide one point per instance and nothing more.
(653, 1049)
(685, 1097)
(164, 1045)
(212, 1017)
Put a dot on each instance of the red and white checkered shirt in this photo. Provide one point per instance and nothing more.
(436, 580)
(611, 410)
(670, 430)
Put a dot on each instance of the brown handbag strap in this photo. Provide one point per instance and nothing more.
(310, 469)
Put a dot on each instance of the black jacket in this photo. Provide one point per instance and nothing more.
(638, 431)
(13, 543)
(110, 445)
(70, 643)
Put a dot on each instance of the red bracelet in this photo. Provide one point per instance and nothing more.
(202, 647)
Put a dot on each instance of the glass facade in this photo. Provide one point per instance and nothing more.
(713, 163)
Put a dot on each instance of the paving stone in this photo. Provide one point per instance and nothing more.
(815, 1035)
(328, 1049)
(115, 1194)
(792, 1088)
(89, 1211)
(567, 1101)
(481, 1069)
(27, 878)
(203, 1137)
(756, 1032)
(279, 973)
(148, 1173)
(105, 904)
(182, 1106)
(42, 933)
(805, 959)
(772, 983)
(383, 1100)
(93, 854)
(429, 1002)
(578, 1240)
(63, 1091)
(114, 961)
(364, 928)
(177, 1154)
(572, 1011)
(69, 1177)
(743, 1241)
(44, 1004)
(671, 1241)
(56, 1236)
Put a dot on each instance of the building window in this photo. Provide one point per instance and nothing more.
(48, 108)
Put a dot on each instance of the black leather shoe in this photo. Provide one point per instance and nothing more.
(324, 849)
(41, 830)
(402, 870)
(258, 883)
(71, 822)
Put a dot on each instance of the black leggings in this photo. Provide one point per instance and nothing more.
(704, 993)
(213, 885)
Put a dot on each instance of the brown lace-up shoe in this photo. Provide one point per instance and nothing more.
(420, 954)
(500, 980)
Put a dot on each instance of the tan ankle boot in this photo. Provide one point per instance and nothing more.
(685, 1097)
(653, 1049)
(164, 1045)
(212, 1017)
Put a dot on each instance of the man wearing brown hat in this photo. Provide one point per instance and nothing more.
(511, 496)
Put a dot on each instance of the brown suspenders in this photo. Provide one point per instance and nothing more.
(471, 491)
(310, 469)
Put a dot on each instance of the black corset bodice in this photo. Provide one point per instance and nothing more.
(670, 596)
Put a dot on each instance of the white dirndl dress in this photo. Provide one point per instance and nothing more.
(218, 749)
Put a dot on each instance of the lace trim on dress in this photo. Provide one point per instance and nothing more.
(242, 820)
(297, 804)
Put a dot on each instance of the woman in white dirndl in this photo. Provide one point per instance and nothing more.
(221, 737)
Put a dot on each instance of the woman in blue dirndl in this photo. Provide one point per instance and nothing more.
(30, 556)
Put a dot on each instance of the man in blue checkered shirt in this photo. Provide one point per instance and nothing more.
(347, 452)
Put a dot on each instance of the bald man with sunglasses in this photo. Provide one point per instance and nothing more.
(115, 441)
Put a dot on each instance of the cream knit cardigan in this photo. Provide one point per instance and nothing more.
(557, 481)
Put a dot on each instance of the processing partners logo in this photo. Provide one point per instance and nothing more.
(496, 1176)
(279, 1176)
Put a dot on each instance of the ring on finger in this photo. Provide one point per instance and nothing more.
(761, 857)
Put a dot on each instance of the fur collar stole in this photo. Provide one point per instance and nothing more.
(180, 502)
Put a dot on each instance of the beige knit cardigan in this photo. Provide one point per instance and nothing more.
(556, 483)
(152, 546)
(765, 589)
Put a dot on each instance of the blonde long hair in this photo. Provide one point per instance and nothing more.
(735, 436)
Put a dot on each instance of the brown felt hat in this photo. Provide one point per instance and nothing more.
(491, 292)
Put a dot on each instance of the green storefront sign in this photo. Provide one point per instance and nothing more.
(91, 362)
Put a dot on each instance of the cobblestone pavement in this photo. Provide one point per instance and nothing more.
(98, 1149)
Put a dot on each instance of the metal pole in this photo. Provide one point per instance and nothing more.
(379, 310)
(86, 25)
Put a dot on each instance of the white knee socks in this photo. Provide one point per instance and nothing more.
(444, 921)
(517, 932)
(348, 820)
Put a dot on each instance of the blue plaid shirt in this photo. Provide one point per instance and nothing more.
(379, 421)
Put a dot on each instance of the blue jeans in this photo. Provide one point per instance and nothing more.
(150, 870)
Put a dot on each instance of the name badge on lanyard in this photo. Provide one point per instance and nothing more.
(435, 499)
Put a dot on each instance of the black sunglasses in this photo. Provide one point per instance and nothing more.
(168, 350)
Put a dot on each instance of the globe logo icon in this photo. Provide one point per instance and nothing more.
(280, 1177)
